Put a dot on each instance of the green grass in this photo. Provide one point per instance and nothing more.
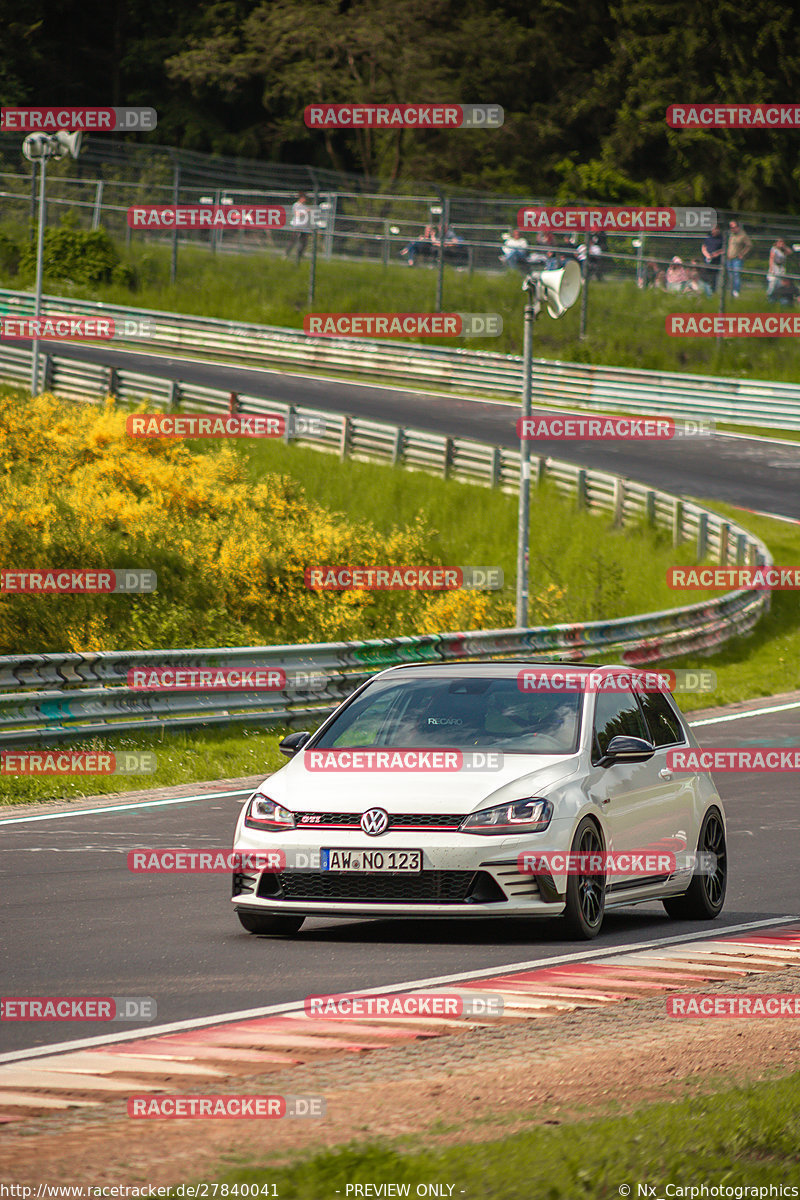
(625, 325)
(744, 1135)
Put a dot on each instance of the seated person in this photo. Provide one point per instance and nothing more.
(426, 246)
(677, 276)
(515, 249)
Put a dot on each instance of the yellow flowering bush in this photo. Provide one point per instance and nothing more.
(78, 492)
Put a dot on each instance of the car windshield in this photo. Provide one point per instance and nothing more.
(475, 712)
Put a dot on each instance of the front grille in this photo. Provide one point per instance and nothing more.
(396, 820)
(428, 887)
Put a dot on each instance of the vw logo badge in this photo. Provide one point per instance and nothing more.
(375, 821)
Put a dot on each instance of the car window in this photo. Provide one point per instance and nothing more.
(463, 712)
(616, 713)
(662, 722)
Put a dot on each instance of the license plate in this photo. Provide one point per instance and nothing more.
(409, 861)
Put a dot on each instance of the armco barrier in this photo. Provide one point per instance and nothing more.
(577, 385)
(51, 697)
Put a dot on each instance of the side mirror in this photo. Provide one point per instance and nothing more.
(293, 742)
(626, 749)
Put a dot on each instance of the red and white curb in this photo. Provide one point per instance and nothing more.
(203, 1053)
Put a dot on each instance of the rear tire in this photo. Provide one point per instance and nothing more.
(586, 894)
(266, 923)
(705, 896)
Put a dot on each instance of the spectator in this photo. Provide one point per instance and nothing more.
(677, 276)
(694, 279)
(515, 249)
(300, 224)
(424, 246)
(785, 291)
(712, 253)
(777, 266)
(739, 246)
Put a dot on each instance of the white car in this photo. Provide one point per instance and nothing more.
(449, 790)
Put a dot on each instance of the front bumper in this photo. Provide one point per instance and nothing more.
(462, 875)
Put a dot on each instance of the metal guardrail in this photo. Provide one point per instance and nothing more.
(47, 698)
(577, 385)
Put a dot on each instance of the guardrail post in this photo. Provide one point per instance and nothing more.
(291, 413)
(619, 502)
(724, 535)
(233, 405)
(346, 439)
(447, 464)
(496, 467)
(650, 506)
(677, 523)
(174, 396)
(112, 381)
(398, 445)
(580, 488)
(741, 548)
(47, 372)
(702, 536)
(541, 470)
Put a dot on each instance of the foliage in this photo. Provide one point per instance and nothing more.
(77, 255)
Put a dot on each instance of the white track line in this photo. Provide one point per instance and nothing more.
(88, 812)
(753, 712)
(390, 989)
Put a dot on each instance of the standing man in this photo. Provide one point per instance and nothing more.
(739, 246)
(712, 253)
(300, 224)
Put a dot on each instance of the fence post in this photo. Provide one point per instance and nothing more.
(291, 413)
(496, 467)
(580, 488)
(449, 449)
(346, 439)
(174, 396)
(176, 193)
(98, 204)
(677, 523)
(398, 445)
(650, 507)
(741, 549)
(112, 381)
(619, 502)
(724, 535)
(541, 470)
(702, 536)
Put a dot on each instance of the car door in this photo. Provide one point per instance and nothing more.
(668, 819)
(627, 793)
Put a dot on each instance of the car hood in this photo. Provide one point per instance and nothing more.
(521, 776)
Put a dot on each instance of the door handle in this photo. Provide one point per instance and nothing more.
(665, 773)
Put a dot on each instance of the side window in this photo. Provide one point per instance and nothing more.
(616, 713)
(663, 724)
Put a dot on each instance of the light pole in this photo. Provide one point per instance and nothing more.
(39, 147)
(558, 290)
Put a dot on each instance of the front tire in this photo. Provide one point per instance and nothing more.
(705, 896)
(267, 923)
(586, 893)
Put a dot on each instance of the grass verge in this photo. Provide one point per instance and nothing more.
(740, 1136)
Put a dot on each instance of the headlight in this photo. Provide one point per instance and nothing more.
(263, 813)
(521, 816)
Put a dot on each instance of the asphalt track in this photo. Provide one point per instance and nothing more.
(77, 922)
(762, 475)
